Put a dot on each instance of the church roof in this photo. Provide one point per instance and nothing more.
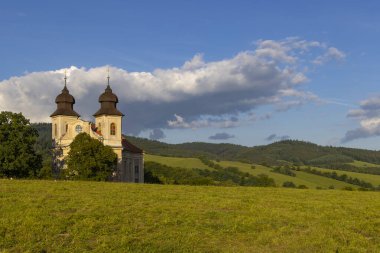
(108, 96)
(127, 146)
(64, 112)
(65, 97)
(65, 102)
(108, 111)
(108, 101)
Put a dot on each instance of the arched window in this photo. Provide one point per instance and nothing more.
(67, 127)
(113, 129)
(55, 129)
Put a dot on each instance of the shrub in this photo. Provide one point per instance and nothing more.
(289, 184)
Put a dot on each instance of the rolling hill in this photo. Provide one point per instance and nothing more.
(264, 158)
(277, 153)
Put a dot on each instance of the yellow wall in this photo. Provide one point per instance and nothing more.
(64, 138)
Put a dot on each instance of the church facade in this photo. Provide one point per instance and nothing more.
(66, 124)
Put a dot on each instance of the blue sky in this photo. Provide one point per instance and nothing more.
(41, 38)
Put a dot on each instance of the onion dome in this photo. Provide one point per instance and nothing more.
(65, 102)
(108, 96)
(65, 97)
(108, 101)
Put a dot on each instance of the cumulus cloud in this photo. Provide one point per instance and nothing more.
(156, 134)
(368, 116)
(221, 136)
(196, 94)
(332, 53)
(275, 137)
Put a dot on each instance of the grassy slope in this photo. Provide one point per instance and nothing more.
(292, 151)
(302, 178)
(361, 164)
(187, 163)
(373, 179)
(114, 217)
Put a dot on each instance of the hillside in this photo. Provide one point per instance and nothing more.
(279, 153)
(301, 178)
(74, 216)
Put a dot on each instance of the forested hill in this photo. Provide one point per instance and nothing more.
(283, 152)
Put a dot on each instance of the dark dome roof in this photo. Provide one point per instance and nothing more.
(65, 97)
(108, 102)
(65, 103)
(108, 96)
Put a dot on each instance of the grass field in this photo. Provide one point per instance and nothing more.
(302, 178)
(373, 179)
(187, 163)
(48, 216)
(361, 164)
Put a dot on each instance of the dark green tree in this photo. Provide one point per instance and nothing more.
(17, 139)
(288, 184)
(89, 159)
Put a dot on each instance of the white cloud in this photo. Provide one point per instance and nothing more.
(332, 53)
(368, 116)
(204, 93)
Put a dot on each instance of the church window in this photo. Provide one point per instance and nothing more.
(67, 127)
(113, 129)
(78, 129)
(55, 129)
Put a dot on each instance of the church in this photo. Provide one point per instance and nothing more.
(66, 124)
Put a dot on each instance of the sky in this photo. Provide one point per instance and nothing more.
(243, 72)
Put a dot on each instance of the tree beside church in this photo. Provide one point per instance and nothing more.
(89, 159)
(17, 155)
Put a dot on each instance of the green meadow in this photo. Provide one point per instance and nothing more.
(75, 216)
(373, 179)
(187, 163)
(361, 164)
(301, 178)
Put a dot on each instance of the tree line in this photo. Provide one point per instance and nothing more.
(341, 177)
(230, 176)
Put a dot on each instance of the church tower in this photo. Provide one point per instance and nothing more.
(63, 115)
(61, 118)
(108, 120)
